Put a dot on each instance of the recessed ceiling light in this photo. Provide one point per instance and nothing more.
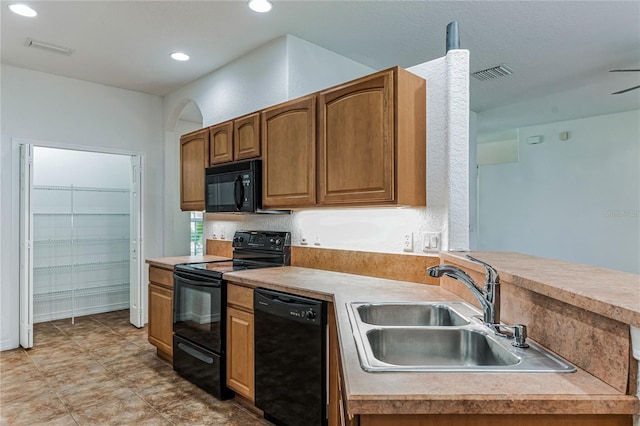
(179, 56)
(22, 10)
(260, 5)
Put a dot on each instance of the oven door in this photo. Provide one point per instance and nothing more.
(198, 311)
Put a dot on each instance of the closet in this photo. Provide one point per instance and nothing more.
(80, 234)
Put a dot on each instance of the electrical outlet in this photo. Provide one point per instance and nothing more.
(408, 242)
(317, 241)
(222, 232)
(303, 240)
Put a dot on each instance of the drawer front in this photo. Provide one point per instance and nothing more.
(240, 296)
(163, 277)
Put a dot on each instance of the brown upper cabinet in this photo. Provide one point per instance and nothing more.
(234, 140)
(289, 154)
(372, 141)
(361, 143)
(221, 143)
(246, 137)
(194, 158)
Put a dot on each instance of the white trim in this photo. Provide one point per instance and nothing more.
(75, 147)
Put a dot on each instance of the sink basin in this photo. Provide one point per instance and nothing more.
(410, 314)
(440, 337)
(431, 347)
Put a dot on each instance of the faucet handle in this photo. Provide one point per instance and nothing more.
(492, 274)
(520, 336)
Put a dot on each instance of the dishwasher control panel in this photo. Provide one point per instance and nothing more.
(308, 314)
(296, 308)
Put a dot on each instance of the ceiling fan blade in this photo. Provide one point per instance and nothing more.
(624, 70)
(626, 90)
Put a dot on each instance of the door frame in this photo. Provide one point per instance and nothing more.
(138, 290)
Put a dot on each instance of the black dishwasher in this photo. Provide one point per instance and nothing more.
(290, 358)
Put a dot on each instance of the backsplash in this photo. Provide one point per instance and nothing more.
(404, 267)
(364, 229)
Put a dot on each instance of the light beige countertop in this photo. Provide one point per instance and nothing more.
(170, 262)
(612, 294)
(437, 393)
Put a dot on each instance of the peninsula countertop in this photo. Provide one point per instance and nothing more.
(429, 392)
(610, 293)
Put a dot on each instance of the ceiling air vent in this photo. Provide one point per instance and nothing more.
(495, 72)
(29, 42)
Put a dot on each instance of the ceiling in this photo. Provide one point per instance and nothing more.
(560, 52)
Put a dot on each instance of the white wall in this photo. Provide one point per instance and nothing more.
(311, 68)
(576, 200)
(75, 114)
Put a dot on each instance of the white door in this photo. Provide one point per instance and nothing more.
(26, 247)
(135, 232)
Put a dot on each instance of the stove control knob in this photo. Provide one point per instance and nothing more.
(278, 242)
(310, 315)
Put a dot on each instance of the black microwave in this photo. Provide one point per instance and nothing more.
(234, 187)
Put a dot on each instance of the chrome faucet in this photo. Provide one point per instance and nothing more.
(489, 296)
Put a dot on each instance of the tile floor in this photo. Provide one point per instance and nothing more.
(103, 371)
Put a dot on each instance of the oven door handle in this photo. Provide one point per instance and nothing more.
(195, 353)
(211, 283)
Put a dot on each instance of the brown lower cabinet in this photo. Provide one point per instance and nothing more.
(240, 347)
(161, 311)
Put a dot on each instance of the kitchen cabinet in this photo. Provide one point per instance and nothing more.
(234, 140)
(221, 143)
(161, 311)
(240, 345)
(194, 158)
(372, 141)
(246, 137)
(289, 154)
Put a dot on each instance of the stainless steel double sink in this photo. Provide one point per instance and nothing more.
(439, 336)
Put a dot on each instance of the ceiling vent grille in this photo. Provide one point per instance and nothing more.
(491, 73)
(29, 42)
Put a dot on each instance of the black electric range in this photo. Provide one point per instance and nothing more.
(199, 309)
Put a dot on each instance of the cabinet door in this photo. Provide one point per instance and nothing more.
(246, 137)
(221, 143)
(194, 158)
(161, 318)
(356, 142)
(240, 352)
(289, 154)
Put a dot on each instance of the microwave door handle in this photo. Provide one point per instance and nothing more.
(238, 192)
